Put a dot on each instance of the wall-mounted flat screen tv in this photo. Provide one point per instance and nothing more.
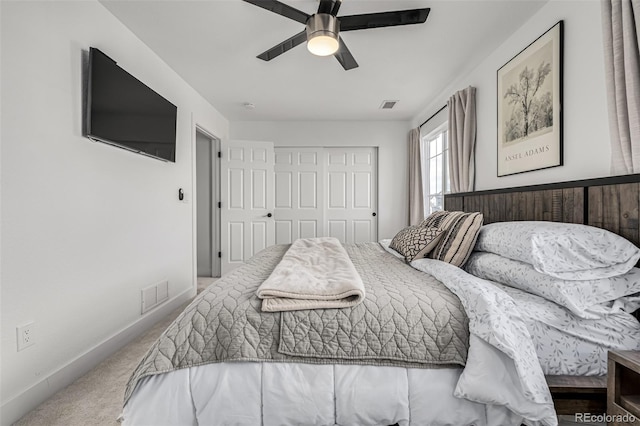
(124, 112)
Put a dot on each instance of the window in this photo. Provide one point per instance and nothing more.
(434, 149)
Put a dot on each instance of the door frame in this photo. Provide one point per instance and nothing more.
(215, 198)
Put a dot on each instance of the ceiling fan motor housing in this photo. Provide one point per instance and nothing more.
(323, 25)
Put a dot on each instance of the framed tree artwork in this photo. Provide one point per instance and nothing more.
(530, 106)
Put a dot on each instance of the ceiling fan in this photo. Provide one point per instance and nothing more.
(322, 32)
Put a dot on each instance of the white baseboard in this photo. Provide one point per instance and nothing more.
(28, 400)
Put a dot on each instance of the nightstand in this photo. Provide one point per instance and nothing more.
(623, 387)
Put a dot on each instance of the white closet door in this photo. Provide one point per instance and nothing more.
(299, 184)
(351, 194)
(247, 205)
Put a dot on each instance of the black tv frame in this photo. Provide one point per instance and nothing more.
(87, 89)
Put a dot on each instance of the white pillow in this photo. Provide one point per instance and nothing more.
(385, 245)
(584, 298)
(563, 250)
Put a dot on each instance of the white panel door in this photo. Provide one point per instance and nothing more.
(351, 194)
(299, 186)
(247, 175)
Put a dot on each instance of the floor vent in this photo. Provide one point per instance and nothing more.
(154, 295)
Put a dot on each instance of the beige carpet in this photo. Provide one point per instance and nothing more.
(96, 397)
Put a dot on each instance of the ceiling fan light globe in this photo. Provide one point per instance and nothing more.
(323, 45)
(322, 34)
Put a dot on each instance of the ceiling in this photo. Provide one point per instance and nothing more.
(213, 44)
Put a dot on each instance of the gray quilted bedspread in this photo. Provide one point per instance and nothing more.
(407, 318)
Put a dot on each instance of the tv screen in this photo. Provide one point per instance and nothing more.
(124, 112)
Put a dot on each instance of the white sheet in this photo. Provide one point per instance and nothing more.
(570, 345)
(308, 394)
(499, 337)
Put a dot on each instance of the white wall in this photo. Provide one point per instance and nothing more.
(586, 135)
(389, 136)
(85, 225)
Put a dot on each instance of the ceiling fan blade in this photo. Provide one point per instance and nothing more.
(383, 19)
(288, 44)
(325, 6)
(345, 57)
(336, 7)
(281, 9)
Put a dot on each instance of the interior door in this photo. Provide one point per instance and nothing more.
(351, 194)
(299, 186)
(247, 204)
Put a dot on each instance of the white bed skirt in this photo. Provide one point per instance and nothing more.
(253, 393)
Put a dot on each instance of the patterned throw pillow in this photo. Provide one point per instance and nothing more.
(435, 219)
(460, 234)
(415, 242)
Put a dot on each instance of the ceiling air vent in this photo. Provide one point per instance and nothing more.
(388, 104)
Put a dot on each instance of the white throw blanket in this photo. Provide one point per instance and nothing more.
(315, 273)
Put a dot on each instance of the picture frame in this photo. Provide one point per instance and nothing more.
(529, 104)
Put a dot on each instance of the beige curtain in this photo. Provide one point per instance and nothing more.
(620, 26)
(462, 139)
(416, 200)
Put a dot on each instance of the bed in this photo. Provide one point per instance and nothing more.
(466, 351)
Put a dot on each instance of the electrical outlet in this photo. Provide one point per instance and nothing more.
(26, 335)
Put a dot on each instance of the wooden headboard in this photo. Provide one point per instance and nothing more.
(611, 203)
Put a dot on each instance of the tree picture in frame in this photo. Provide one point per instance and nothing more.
(530, 106)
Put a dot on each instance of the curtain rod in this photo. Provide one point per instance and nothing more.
(434, 114)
